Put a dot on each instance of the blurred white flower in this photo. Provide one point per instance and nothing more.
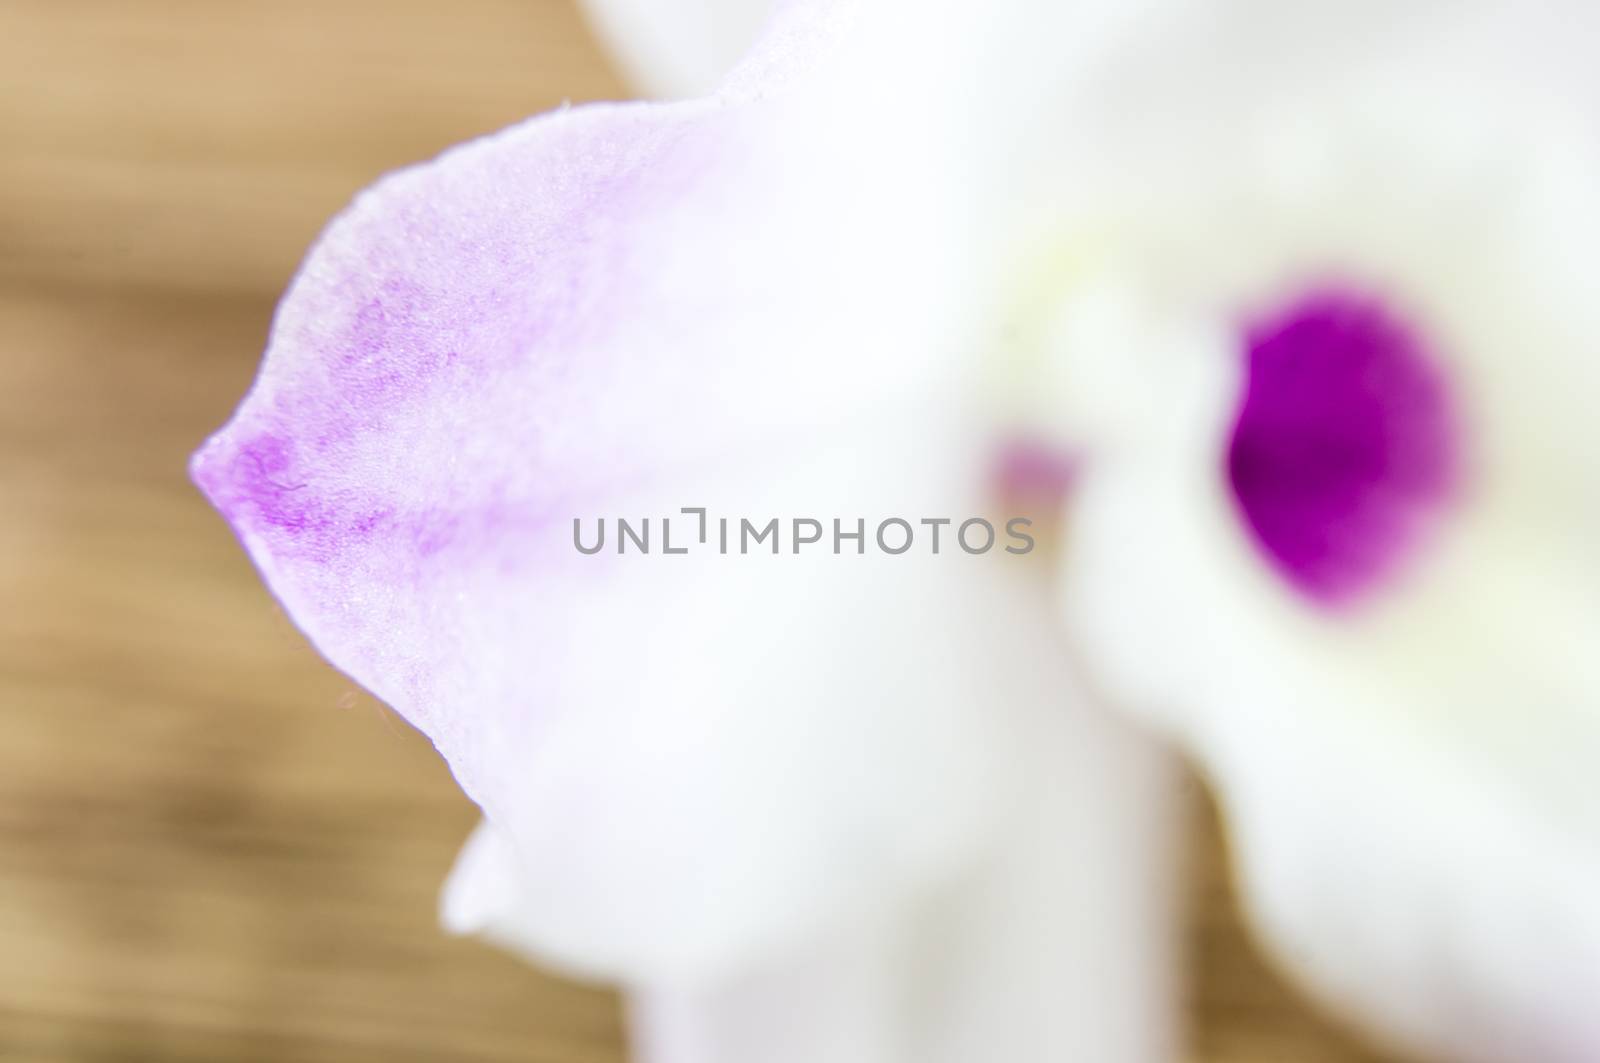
(1327, 329)
(1315, 291)
(677, 49)
(1307, 287)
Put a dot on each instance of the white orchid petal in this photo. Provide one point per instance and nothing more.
(1413, 814)
(1059, 943)
(671, 818)
(1405, 883)
(1410, 775)
(620, 311)
(677, 48)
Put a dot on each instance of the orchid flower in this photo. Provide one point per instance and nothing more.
(1323, 323)
(1301, 288)
(841, 802)
(1316, 304)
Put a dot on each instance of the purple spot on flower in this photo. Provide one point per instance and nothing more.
(1346, 441)
(257, 486)
(1034, 472)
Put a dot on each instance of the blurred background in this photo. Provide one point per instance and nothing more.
(212, 847)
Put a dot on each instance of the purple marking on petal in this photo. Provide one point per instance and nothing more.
(1346, 441)
(1034, 472)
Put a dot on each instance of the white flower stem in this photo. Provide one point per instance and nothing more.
(1062, 947)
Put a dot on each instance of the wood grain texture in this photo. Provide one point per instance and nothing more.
(211, 846)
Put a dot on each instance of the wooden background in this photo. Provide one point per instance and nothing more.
(211, 847)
